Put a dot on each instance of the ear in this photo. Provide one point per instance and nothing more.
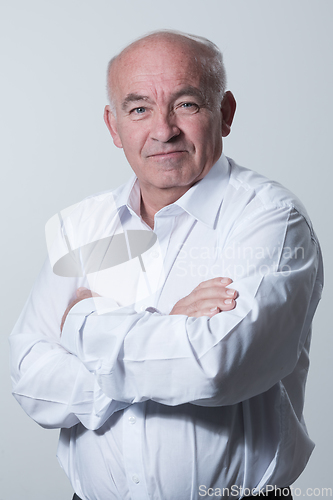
(111, 123)
(228, 108)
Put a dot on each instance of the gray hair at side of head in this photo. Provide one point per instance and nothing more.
(209, 57)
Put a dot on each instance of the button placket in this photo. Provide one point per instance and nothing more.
(163, 230)
(132, 451)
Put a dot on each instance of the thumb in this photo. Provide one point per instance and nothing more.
(83, 293)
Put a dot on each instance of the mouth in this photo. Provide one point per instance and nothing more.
(165, 155)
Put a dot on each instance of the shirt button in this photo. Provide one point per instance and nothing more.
(132, 420)
(135, 479)
(142, 308)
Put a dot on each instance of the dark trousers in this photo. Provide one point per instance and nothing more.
(278, 493)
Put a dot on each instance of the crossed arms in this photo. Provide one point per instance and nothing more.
(105, 362)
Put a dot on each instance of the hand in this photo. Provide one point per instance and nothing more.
(207, 299)
(81, 294)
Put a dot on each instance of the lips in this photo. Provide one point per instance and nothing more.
(166, 153)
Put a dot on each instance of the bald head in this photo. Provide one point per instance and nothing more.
(205, 56)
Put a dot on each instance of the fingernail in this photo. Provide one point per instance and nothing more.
(228, 301)
(225, 280)
(230, 291)
(213, 309)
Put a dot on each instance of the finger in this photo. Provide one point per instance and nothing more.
(228, 305)
(209, 288)
(231, 293)
(213, 292)
(219, 281)
(83, 293)
(63, 320)
(200, 314)
(208, 306)
(202, 311)
(66, 313)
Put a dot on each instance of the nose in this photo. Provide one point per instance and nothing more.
(164, 127)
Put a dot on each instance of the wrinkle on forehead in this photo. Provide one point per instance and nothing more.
(165, 63)
(158, 60)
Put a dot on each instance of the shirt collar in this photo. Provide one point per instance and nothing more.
(202, 201)
(129, 196)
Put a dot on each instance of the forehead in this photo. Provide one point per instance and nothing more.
(158, 67)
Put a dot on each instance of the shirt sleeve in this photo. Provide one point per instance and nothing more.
(223, 360)
(54, 387)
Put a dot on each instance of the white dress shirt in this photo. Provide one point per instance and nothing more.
(155, 406)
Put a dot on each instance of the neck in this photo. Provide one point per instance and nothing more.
(147, 213)
(151, 203)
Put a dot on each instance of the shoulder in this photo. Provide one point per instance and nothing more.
(254, 193)
(108, 199)
(93, 218)
(98, 206)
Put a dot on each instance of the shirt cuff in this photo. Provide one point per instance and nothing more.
(78, 315)
(96, 306)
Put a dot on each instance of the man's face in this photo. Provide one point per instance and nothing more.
(165, 121)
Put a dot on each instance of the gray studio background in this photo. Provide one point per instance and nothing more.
(55, 150)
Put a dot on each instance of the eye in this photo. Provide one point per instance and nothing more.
(188, 107)
(138, 111)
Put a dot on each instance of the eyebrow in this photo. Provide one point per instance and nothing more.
(132, 97)
(189, 90)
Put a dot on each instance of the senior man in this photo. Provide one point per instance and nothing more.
(184, 388)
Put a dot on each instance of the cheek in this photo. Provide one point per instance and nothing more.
(203, 138)
(193, 132)
(200, 128)
(134, 138)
